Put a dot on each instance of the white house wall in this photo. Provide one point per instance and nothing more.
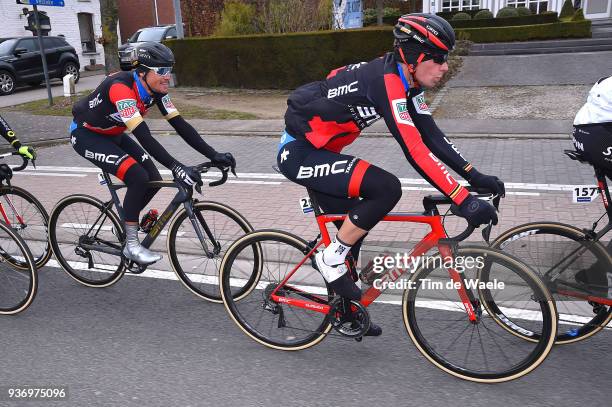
(64, 21)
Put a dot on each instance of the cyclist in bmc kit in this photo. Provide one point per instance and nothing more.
(9, 135)
(592, 136)
(119, 104)
(323, 117)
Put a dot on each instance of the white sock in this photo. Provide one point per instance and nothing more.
(336, 252)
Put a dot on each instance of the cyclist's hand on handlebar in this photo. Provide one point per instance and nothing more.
(224, 160)
(477, 212)
(188, 176)
(27, 152)
(489, 182)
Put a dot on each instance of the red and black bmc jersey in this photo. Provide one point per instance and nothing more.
(330, 114)
(119, 103)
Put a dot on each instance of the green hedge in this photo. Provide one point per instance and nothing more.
(289, 60)
(508, 21)
(448, 15)
(573, 29)
(274, 61)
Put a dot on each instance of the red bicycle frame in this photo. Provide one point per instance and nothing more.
(429, 241)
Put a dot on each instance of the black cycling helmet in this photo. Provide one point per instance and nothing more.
(419, 35)
(151, 55)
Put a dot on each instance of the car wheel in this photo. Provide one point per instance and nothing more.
(70, 68)
(7, 83)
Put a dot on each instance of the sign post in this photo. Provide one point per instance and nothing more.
(36, 3)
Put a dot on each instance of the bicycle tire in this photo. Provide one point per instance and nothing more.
(536, 232)
(208, 286)
(456, 362)
(61, 221)
(21, 221)
(26, 275)
(299, 248)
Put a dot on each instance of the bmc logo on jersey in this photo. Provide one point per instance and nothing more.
(127, 108)
(342, 90)
(442, 168)
(400, 111)
(322, 170)
(95, 102)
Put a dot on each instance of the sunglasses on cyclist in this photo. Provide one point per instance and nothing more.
(160, 70)
(438, 59)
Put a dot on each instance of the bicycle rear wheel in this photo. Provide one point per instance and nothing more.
(221, 226)
(18, 285)
(561, 252)
(25, 215)
(481, 351)
(251, 270)
(86, 239)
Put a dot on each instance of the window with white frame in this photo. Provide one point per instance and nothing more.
(536, 6)
(459, 5)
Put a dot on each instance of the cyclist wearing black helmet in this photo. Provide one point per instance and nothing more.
(323, 117)
(119, 104)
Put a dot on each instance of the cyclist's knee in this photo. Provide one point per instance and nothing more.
(136, 175)
(381, 185)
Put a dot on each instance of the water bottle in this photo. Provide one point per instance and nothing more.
(148, 220)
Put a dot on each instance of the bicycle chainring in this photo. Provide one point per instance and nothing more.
(349, 318)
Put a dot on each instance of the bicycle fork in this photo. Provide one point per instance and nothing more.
(196, 220)
(470, 303)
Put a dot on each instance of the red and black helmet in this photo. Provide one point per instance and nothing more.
(418, 35)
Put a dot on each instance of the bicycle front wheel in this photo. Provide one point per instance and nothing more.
(252, 269)
(560, 253)
(20, 210)
(481, 350)
(86, 238)
(17, 284)
(220, 226)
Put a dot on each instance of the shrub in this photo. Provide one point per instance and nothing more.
(483, 15)
(507, 12)
(567, 11)
(237, 19)
(462, 16)
(578, 15)
(523, 11)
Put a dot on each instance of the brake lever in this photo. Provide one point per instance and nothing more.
(34, 163)
(198, 188)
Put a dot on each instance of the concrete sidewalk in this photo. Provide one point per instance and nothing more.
(48, 129)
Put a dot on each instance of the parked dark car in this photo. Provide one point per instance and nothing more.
(157, 34)
(20, 61)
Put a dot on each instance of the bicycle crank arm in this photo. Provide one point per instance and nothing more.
(97, 248)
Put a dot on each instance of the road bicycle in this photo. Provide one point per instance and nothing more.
(87, 236)
(273, 292)
(564, 255)
(18, 275)
(21, 211)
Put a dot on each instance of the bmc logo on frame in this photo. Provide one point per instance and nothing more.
(322, 170)
(342, 90)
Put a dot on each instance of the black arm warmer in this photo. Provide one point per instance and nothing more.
(144, 137)
(191, 136)
(9, 134)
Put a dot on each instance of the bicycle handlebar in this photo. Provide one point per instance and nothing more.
(204, 167)
(480, 192)
(23, 165)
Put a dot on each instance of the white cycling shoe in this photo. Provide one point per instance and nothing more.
(136, 252)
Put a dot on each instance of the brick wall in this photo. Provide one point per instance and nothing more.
(64, 21)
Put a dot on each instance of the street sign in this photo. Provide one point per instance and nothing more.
(56, 3)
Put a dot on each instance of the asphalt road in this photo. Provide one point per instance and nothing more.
(149, 342)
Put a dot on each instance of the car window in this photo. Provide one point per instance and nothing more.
(49, 42)
(6, 46)
(171, 32)
(151, 34)
(28, 44)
